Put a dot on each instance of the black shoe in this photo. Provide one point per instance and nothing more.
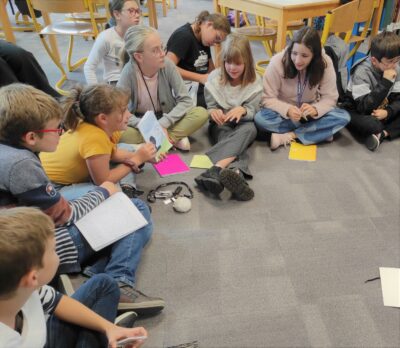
(373, 141)
(236, 183)
(210, 181)
(130, 191)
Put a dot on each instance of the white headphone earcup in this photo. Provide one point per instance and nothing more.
(182, 205)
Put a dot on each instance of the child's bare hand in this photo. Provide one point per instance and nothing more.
(235, 114)
(110, 187)
(116, 333)
(204, 79)
(380, 114)
(294, 113)
(390, 74)
(145, 153)
(308, 110)
(217, 116)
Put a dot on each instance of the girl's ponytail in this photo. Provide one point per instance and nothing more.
(72, 110)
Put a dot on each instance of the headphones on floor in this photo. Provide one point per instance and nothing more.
(182, 203)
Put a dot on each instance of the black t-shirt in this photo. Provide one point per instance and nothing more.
(193, 56)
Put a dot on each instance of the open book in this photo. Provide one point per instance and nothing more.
(152, 132)
(110, 221)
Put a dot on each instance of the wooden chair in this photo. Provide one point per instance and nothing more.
(340, 20)
(267, 36)
(67, 27)
(166, 4)
(101, 13)
(366, 9)
(291, 26)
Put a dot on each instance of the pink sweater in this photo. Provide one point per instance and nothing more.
(279, 94)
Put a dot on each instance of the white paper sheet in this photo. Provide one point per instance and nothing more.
(112, 220)
(390, 280)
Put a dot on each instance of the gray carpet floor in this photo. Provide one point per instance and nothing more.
(286, 269)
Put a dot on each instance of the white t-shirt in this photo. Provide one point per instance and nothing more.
(107, 49)
(40, 304)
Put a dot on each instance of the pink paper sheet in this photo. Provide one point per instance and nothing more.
(173, 164)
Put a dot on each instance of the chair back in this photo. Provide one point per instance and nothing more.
(340, 20)
(62, 6)
(366, 10)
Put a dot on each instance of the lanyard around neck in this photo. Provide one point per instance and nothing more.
(301, 88)
(147, 88)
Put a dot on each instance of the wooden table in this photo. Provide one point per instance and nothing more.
(5, 22)
(281, 10)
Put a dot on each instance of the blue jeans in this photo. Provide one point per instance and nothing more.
(121, 259)
(311, 132)
(73, 191)
(100, 294)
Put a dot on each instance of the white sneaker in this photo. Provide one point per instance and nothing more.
(280, 139)
(183, 144)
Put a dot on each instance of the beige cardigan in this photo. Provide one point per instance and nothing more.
(280, 94)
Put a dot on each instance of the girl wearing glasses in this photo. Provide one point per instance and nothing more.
(94, 117)
(155, 84)
(189, 49)
(300, 94)
(109, 44)
(233, 94)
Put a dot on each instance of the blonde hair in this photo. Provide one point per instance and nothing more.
(24, 235)
(218, 21)
(85, 103)
(24, 109)
(237, 49)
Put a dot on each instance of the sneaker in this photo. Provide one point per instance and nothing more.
(133, 300)
(183, 144)
(210, 181)
(69, 283)
(126, 319)
(236, 183)
(373, 141)
(280, 139)
(330, 139)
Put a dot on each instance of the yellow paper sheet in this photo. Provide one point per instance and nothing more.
(201, 161)
(299, 152)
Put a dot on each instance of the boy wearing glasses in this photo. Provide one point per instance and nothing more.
(29, 124)
(375, 88)
(109, 44)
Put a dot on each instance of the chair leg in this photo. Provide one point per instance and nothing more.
(53, 57)
(164, 8)
(72, 67)
(175, 3)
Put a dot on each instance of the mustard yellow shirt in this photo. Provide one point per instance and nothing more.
(67, 165)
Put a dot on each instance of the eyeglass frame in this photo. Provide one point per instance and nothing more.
(60, 130)
(156, 51)
(133, 11)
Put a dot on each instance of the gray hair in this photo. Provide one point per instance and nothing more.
(135, 37)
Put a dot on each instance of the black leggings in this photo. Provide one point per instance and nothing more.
(367, 124)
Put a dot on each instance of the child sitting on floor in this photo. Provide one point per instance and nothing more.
(233, 94)
(28, 261)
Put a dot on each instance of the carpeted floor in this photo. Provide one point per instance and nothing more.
(286, 269)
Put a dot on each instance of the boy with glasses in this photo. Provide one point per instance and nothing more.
(29, 124)
(375, 89)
